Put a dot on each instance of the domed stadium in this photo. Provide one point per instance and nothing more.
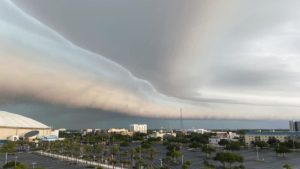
(14, 126)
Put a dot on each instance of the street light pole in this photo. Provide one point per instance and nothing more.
(16, 158)
(294, 147)
(257, 155)
(5, 157)
(33, 165)
(140, 148)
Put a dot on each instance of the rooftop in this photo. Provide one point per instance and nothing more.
(278, 133)
(18, 121)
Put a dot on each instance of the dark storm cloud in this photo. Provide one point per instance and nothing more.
(228, 60)
(142, 36)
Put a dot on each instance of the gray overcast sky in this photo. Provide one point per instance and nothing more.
(223, 60)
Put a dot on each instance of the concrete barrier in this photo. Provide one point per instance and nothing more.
(77, 160)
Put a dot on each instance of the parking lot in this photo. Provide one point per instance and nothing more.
(41, 161)
(268, 159)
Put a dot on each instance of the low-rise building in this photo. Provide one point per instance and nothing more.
(163, 134)
(201, 131)
(281, 136)
(231, 136)
(138, 128)
(122, 131)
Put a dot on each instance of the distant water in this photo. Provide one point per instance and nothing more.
(206, 124)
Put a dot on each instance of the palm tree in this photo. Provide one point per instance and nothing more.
(113, 151)
(175, 154)
(208, 150)
(131, 154)
(151, 154)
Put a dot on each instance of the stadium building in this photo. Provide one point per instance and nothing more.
(14, 127)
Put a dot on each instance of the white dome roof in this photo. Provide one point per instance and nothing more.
(14, 120)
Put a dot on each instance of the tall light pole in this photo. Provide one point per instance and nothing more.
(257, 155)
(16, 158)
(294, 147)
(140, 148)
(33, 165)
(5, 157)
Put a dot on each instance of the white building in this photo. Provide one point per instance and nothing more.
(55, 133)
(223, 136)
(118, 131)
(14, 126)
(163, 134)
(201, 131)
(138, 128)
(86, 131)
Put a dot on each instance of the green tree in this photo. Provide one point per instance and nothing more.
(227, 157)
(186, 165)
(13, 165)
(261, 144)
(114, 150)
(132, 154)
(272, 141)
(207, 165)
(287, 166)
(174, 153)
(9, 147)
(207, 149)
(146, 144)
(195, 145)
(223, 142)
(151, 155)
(200, 138)
(282, 149)
(233, 145)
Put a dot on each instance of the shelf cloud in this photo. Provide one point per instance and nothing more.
(254, 77)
